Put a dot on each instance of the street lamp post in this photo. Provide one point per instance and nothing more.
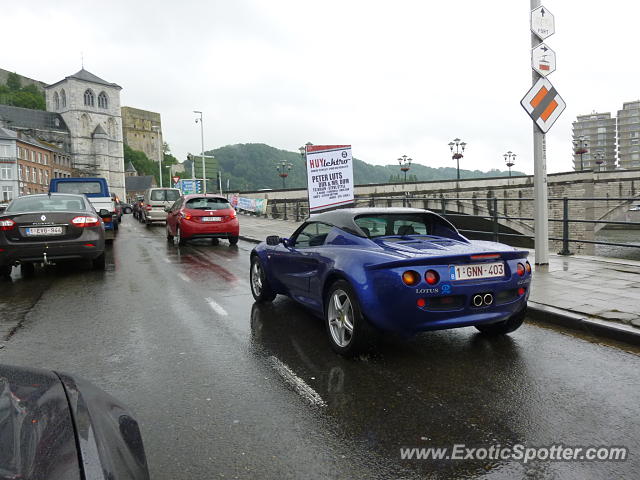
(458, 154)
(599, 158)
(510, 159)
(160, 152)
(580, 148)
(204, 174)
(405, 165)
(283, 170)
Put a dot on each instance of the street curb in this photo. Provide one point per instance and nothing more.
(583, 323)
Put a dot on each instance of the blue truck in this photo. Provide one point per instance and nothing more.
(96, 190)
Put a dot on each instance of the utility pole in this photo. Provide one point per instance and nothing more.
(204, 173)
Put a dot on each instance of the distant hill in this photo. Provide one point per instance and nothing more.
(252, 166)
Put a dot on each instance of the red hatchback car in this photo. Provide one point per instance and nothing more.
(202, 216)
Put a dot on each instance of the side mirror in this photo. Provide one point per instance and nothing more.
(273, 240)
(104, 212)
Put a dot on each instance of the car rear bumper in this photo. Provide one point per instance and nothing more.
(65, 251)
(398, 309)
(155, 215)
(190, 229)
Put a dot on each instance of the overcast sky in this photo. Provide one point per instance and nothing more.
(388, 77)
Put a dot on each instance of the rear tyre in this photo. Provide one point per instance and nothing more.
(169, 236)
(178, 240)
(27, 269)
(260, 288)
(5, 271)
(349, 332)
(502, 328)
(99, 263)
(233, 240)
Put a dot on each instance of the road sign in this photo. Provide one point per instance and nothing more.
(191, 186)
(175, 179)
(543, 60)
(543, 104)
(542, 22)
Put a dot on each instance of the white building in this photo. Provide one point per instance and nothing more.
(90, 107)
(629, 135)
(8, 165)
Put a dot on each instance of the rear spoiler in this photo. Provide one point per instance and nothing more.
(479, 257)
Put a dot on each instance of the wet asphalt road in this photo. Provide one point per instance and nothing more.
(216, 381)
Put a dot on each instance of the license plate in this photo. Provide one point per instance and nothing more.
(475, 271)
(211, 219)
(40, 231)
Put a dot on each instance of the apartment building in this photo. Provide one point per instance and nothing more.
(629, 135)
(35, 165)
(595, 133)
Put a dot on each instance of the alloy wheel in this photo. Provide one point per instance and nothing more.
(341, 315)
(256, 278)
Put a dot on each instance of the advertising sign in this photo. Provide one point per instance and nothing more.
(255, 205)
(329, 176)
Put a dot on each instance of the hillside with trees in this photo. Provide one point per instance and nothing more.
(13, 93)
(146, 166)
(252, 166)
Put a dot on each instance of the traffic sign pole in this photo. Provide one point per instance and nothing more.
(540, 193)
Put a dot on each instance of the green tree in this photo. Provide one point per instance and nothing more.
(13, 82)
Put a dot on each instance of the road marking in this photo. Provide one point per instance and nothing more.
(216, 307)
(298, 385)
(184, 277)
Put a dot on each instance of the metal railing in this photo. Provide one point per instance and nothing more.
(452, 207)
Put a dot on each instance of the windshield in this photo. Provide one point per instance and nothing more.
(79, 187)
(394, 224)
(207, 204)
(46, 203)
(165, 195)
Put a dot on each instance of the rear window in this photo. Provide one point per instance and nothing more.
(46, 203)
(164, 195)
(207, 204)
(401, 224)
(79, 187)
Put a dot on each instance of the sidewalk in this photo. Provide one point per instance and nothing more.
(597, 295)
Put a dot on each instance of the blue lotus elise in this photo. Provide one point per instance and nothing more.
(402, 270)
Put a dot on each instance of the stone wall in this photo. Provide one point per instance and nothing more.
(591, 197)
(139, 133)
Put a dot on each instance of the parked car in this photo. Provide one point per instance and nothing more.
(402, 270)
(202, 216)
(97, 191)
(56, 425)
(126, 208)
(155, 201)
(50, 228)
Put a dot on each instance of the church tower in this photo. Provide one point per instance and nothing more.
(90, 107)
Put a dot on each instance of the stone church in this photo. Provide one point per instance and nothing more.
(90, 107)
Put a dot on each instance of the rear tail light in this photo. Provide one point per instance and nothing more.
(86, 221)
(411, 278)
(520, 269)
(7, 224)
(421, 302)
(431, 277)
(527, 267)
(521, 291)
(233, 214)
(106, 219)
(147, 208)
(187, 216)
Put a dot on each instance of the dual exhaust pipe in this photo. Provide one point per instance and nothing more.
(482, 300)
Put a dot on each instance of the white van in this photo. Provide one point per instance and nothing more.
(155, 201)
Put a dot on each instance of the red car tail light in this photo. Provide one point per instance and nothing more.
(432, 277)
(521, 291)
(411, 278)
(86, 221)
(186, 216)
(527, 267)
(7, 224)
(520, 269)
(233, 214)
(485, 256)
(147, 208)
(421, 302)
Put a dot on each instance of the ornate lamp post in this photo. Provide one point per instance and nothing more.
(510, 160)
(599, 158)
(283, 170)
(458, 154)
(405, 165)
(580, 148)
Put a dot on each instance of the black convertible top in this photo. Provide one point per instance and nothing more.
(344, 218)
